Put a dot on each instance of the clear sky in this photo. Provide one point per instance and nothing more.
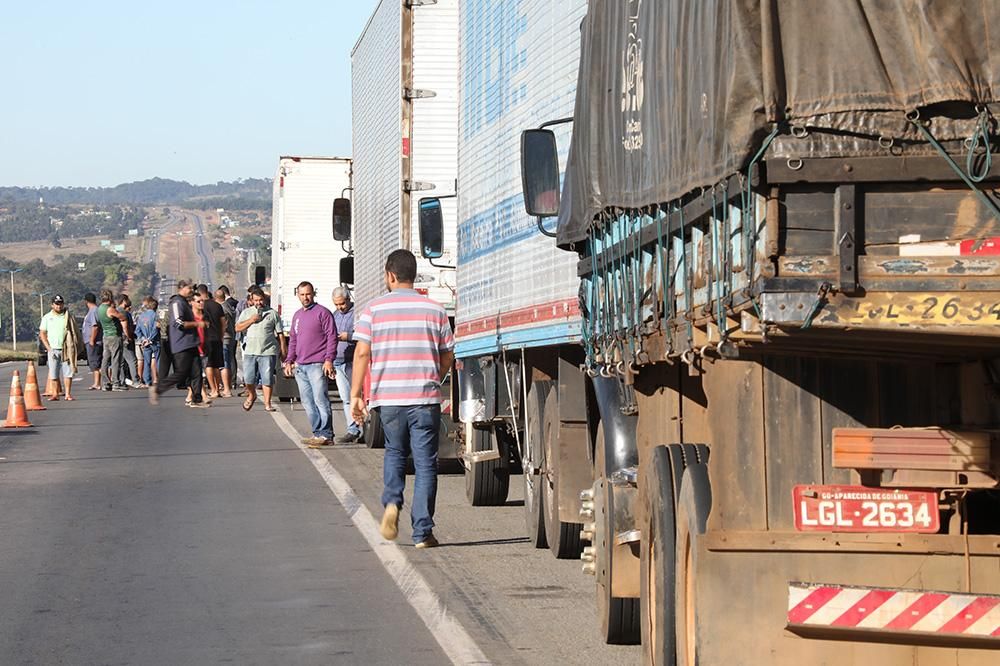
(109, 91)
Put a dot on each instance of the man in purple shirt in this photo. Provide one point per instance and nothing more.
(312, 346)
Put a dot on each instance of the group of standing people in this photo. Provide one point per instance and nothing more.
(401, 342)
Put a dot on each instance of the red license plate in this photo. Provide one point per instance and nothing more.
(860, 509)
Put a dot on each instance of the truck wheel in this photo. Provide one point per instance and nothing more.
(373, 434)
(539, 394)
(487, 482)
(619, 616)
(693, 506)
(563, 538)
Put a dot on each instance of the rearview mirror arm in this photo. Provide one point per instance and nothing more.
(446, 196)
(541, 227)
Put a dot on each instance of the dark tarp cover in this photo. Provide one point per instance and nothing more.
(675, 95)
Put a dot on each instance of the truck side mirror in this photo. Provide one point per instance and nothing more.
(347, 270)
(259, 275)
(431, 228)
(540, 172)
(341, 219)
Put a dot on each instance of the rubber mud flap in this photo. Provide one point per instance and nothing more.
(487, 482)
(656, 558)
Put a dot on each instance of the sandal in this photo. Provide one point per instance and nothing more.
(248, 404)
(268, 408)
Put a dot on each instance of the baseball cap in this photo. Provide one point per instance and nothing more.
(58, 299)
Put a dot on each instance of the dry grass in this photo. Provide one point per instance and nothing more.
(28, 251)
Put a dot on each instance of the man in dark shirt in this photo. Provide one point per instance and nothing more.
(217, 325)
(228, 341)
(183, 335)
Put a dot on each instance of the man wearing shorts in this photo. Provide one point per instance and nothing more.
(61, 338)
(264, 341)
(92, 338)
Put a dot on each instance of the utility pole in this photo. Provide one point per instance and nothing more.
(13, 307)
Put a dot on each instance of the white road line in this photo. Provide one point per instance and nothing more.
(449, 633)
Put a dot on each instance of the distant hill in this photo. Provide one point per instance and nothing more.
(251, 193)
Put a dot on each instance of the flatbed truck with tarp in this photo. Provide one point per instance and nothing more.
(788, 239)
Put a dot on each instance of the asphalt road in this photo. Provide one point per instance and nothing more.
(135, 535)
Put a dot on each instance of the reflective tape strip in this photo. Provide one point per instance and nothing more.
(894, 610)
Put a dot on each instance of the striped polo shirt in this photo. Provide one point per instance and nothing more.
(407, 333)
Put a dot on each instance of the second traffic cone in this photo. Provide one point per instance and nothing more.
(32, 399)
(17, 417)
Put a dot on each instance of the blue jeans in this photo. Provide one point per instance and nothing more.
(344, 371)
(150, 355)
(412, 429)
(313, 393)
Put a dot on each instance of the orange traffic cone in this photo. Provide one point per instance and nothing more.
(32, 399)
(17, 417)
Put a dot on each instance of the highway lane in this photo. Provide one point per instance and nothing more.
(135, 535)
(175, 536)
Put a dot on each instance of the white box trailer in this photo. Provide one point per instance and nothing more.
(404, 91)
(302, 246)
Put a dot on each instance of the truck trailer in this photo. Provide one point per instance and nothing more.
(517, 319)
(404, 99)
(786, 232)
(304, 191)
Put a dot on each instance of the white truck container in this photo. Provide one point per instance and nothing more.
(302, 247)
(404, 85)
(517, 290)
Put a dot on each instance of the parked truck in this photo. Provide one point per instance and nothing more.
(404, 97)
(786, 232)
(304, 191)
(521, 393)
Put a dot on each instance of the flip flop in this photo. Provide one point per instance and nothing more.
(248, 404)
(70, 398)
(268, 408)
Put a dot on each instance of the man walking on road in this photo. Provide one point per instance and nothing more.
(343, 365)
(92, 338)
(264, 341)
(183, 335)
(311, 349)
(111, 321)
(61, 338)
(406, 339)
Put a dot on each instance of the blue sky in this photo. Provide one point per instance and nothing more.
(103, 92)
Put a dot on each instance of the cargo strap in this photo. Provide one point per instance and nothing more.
(914, 118)
(981, 136)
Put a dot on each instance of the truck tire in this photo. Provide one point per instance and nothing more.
(563, 537)
(660, 479)
(618, 616)
(373, 434)
(693, 506)
(487, 482)
(540, 392)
